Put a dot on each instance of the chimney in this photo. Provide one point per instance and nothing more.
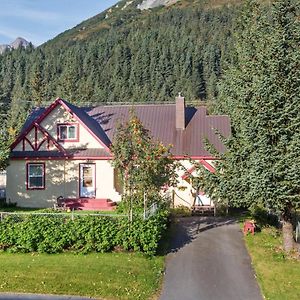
(180, 112)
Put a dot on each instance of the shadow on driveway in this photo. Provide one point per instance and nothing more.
(187, 229)
(208, 260)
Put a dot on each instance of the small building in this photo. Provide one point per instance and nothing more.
(64, 150)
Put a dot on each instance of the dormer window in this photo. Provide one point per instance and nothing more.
(67, 132)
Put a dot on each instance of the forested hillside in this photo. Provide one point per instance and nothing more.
(123, 55)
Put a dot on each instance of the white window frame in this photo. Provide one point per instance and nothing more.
(29, 176)
(68, 138)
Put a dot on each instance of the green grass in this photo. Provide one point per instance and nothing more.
(105, 276)
(278, 275)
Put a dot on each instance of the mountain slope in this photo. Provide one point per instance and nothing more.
(126, 55)
(146, 4)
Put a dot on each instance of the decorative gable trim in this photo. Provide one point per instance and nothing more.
(208, 166)
(50, 138)
(36, 145)
(68, 109)
(38, 120)
(204, 163)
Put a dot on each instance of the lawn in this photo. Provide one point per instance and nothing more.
(278, 276)
(106, 276)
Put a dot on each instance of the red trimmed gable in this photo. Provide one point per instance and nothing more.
(30, 141)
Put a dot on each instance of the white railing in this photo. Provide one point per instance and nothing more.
(151, 211)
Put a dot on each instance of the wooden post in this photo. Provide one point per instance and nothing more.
(131, 212)
(144, 206)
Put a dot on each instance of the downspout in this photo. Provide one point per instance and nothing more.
(64, 178)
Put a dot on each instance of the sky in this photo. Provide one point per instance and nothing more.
(40, 20)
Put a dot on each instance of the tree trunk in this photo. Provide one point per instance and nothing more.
(287, 230)
(288, 239)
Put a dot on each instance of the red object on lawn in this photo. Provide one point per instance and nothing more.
(249, 226)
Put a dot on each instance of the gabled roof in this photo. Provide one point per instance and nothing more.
(92, 125)
(39, 114)
(159, 119)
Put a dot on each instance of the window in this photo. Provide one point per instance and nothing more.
(35, 176)
(67, 132)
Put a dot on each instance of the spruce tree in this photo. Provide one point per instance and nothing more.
(261, 94)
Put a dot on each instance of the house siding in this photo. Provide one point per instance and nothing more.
(184, 193)
(61, 179)
(59, 116)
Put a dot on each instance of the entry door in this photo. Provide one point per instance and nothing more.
(87, 181)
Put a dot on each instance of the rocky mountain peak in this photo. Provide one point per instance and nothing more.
(19, 42)
(147, 4)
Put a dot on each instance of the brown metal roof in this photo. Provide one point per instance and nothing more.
(160, 120)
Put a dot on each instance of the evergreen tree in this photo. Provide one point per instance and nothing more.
(261, 94)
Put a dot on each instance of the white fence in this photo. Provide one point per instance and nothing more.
(71, 214)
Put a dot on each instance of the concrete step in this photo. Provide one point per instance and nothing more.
(90, 204)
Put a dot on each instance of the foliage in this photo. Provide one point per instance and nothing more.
(261, 94)
(130, 56)
(144, 166)
(55, 234)
(263, 217)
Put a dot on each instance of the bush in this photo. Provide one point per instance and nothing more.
(263, 217)
(56, 233)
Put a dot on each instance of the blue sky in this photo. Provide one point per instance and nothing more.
(40, 20)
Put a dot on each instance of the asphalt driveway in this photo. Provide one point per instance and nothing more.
(208, 261)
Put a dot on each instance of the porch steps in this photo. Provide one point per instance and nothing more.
(207, 210)
(90, 204)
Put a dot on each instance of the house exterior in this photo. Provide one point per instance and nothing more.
(2, 184)
(64, 150)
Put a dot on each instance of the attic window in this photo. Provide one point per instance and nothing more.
(67, 132)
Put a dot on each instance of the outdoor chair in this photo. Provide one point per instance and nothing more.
(60, 203)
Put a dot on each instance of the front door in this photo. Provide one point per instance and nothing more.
(87, 181)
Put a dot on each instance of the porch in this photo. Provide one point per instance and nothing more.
(90, 204)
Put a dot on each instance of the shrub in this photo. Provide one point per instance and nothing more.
(263, 217)
(56, 233)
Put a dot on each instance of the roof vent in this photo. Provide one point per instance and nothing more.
(180, 112)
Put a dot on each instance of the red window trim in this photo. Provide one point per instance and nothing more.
(27, 176)
(68, 140)
(80, 180)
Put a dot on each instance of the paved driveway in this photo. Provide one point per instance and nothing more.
(208, 261)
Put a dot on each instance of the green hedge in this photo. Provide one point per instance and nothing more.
(55, 233)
